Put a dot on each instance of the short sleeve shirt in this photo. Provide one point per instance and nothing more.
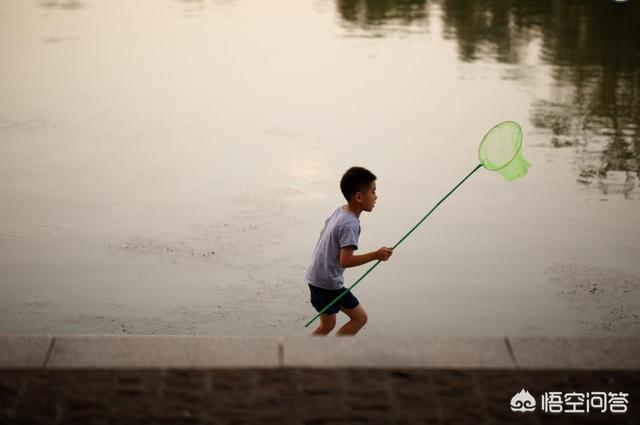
(341, 229)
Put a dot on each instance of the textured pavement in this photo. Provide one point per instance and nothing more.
(299, 396)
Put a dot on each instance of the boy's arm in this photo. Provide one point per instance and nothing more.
(347, 259)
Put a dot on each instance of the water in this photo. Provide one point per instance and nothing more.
(167, 165)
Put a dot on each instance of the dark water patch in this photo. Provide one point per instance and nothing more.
(381, 18)
(58, 40)
(62, 4)
(166, 250)
(612, 297)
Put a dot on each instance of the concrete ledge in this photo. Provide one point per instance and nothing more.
(183, 351)
(98, 379)
(433, 352)
(154, 351)
(577, 352)
(24, 350)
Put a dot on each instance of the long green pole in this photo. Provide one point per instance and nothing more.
(394, 247)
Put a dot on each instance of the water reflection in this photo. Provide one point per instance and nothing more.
(407, 15)
(594, 51)
(490, 29)
(61, 4)
(197, 8)
(192, 8)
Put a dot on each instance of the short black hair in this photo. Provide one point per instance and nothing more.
(355, 179)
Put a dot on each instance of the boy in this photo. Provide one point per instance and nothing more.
(334, 252)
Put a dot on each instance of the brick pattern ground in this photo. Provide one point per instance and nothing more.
(299, 396)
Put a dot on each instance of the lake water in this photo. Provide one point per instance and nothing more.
(166, 166)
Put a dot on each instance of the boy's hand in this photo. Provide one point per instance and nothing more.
(384, 253)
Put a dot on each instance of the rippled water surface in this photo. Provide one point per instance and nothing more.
(166, 166)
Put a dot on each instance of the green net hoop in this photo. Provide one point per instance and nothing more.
(501, 151)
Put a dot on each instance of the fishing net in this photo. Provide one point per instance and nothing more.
(501, 151)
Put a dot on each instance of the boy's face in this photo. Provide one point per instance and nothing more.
(367, 199)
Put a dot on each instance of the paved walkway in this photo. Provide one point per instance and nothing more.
(92, 379)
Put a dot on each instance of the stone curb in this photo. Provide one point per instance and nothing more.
(99, 351)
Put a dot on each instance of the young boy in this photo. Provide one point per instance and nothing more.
(334, 252)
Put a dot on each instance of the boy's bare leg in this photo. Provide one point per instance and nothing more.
(327, 323)
(358, 318)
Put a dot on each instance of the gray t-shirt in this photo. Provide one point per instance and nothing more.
(340, 230)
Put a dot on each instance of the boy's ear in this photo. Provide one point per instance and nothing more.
(358, 196)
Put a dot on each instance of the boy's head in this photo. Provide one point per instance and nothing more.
(358, 185)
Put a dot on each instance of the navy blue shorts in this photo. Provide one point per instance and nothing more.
(320, 297)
